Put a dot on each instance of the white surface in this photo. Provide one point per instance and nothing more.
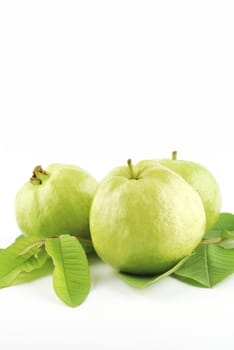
(94, 83)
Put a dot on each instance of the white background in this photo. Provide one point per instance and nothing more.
(94, 83)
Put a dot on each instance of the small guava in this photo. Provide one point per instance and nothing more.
(55, 201)
(202, 181)
(145, 218)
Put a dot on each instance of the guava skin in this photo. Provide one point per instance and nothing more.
(147, 224)
(203, 182)
(56, 203)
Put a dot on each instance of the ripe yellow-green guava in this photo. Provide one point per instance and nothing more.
(145, 218)
(55, 201)
(202, 181)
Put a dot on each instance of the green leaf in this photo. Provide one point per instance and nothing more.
(145, 281)
(227, 234)
(20, 237)
(227, 243)
(71, 271)
(87, 246)
(225, 222)
(34, 245)
(45, 270)
(12, 263)
(208, 265)
(223, 230)
(36, 261)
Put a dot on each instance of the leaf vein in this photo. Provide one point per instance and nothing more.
(64, 270)
(207, 265)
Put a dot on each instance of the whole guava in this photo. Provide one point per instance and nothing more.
(145, 218)
(202, 181)
(55, 201)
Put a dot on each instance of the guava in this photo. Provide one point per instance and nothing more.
(202, 181)
(145, 218)
(55, 201)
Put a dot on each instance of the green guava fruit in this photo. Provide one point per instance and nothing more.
(202, 181)
(145, 218)
(55, 201)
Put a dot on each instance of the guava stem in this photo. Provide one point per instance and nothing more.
(174, 155)
(38, 176)
(132, 176)
(212, 240)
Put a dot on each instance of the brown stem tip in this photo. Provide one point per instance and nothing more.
(37, 171)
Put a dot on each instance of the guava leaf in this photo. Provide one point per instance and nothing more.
(87, 246)
(227, 239)
(45, 270)
(12, 263)
(207, 266)
(20, 237)
(36, 261)
(225, 222)
(145, 281)
(223, 230)
(71, 275)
